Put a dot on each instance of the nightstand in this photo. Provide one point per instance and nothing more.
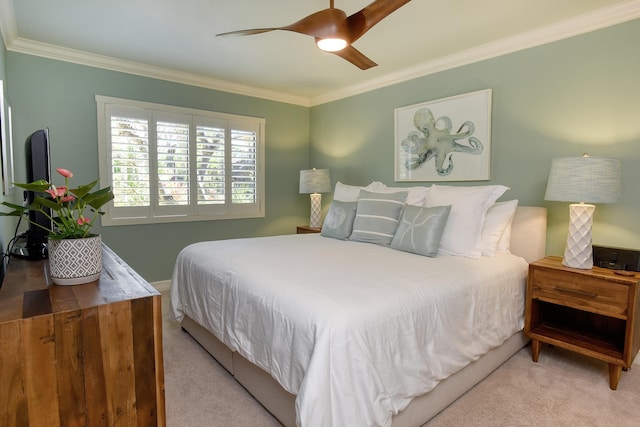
(305, 229)
(592, 312)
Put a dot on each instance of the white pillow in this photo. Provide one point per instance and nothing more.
(504, 245)
(469, 205)
(350, 193)
(499, 217)
(416, 194)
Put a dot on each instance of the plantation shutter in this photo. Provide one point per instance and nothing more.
(210, 172)
(244, 163)
(168, 164)
(172, 184)
(129, 159)
(243, 166)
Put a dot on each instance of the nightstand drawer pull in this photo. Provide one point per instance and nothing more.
(578, 292)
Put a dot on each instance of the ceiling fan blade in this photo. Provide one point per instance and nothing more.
(325, 23)
(248, 32)
(362, 21)
(356, 57)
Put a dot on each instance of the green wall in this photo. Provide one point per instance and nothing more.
(61, 96)
(561, 99)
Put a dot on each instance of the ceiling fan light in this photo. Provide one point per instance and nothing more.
(331, 44)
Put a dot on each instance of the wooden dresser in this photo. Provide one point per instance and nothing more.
(84, 355)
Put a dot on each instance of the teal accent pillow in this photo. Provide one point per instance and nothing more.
(339, 220)
(420, 229)
(377, 217)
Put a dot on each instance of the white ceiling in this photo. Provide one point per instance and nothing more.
(176, 39)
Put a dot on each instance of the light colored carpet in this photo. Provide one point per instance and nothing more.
(199, 392)
(562, 389)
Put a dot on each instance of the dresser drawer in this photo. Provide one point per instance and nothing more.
(583, 292)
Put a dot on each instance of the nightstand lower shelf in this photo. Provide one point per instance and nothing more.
(596, 347)
(599, 336)
(562, 340)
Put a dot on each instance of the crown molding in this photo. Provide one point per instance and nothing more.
(567, 28)
(49, 51)
(13, 43)
(8, 28)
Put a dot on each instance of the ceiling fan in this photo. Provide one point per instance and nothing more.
(335, 32)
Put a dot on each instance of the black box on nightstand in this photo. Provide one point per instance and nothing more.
(616, 259)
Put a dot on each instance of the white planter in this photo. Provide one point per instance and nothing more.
(75, 261)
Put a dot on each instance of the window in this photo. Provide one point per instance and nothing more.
(168, 164)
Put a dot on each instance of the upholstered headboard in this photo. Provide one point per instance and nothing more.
(529, 233)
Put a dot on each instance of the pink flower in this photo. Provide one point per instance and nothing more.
(82, 220)
(64, 172)
(68, 198)
(56, 192)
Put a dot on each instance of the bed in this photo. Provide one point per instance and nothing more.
(334, 332)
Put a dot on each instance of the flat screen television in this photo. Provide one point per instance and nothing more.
(38, 167)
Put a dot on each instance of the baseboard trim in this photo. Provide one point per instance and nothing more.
(162, 286)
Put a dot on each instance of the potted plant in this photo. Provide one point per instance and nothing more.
(75, 252)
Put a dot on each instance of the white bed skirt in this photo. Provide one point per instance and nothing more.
(281, 403)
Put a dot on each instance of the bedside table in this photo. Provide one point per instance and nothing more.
(305, 229)
(592, 312)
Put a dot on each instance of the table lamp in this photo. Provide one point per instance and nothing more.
(584, 180)
(313, 182)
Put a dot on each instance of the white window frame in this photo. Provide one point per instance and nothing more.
(192, 212)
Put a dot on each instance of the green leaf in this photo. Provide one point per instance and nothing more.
(41, 201)
(40, 186)
(83, 190)
(18, 210)
(14, 206)
(99, 198)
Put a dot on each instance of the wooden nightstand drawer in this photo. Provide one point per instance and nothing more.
(581, 292)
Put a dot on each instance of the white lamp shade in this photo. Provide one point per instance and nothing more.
(315, 181)
(584, 179)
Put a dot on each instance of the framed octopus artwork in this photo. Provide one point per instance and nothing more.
(446, 139)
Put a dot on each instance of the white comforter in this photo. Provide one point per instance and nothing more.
(355, 330)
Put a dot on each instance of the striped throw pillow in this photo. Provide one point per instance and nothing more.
(377, 217)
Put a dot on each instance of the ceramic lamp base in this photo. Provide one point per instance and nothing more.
(315, 220)
(579, 250)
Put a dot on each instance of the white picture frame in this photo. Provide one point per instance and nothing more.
(446, 139)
